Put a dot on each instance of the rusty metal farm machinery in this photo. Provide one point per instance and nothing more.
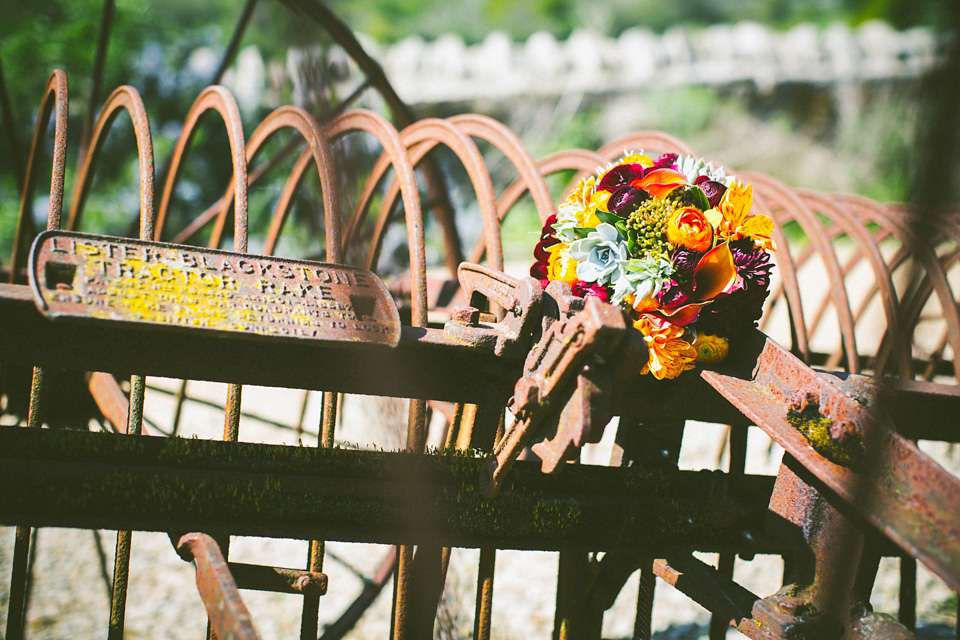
(509, 364)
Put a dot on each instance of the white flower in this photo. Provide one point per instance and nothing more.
(693, 167)
(643, 277)
(599, 254)
(567, 222)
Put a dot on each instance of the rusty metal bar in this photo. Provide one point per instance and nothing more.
(229, 617)
(18, 583)
(95, 480)
(278, 579)
(484, 610)
(310, 612)
(118, 594)
(856, 455)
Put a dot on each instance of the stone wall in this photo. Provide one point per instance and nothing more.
(447, 70)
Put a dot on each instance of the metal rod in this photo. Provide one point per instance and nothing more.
(96, 75)
(229, 617)
(18, 584)
(234, 44)
(484, 611)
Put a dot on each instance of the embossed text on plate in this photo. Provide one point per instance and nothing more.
(78, 275)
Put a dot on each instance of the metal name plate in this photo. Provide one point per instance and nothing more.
(84, 276)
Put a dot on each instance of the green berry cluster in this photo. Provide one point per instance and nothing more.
(647, 227)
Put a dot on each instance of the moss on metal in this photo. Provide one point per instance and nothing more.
(815, 427)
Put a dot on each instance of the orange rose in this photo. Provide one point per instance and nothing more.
(690, 228)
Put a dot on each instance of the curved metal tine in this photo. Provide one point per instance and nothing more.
(933, 278)
(218, 99)
(361, 120)
(779, 194)
(777, 292)
(297, 118)
(123, 98)
(253, 175)
(54, 102)
(834, 211)
(530, 178)
(422, 137)
(788, 268)
(576, 159)
(508, 143)
(867, 211)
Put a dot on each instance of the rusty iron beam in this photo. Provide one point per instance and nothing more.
(101, 480)
(278, 579)
(432, 366)
(840, 437)
(229, 617)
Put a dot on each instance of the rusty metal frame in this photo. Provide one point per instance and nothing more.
(432, 360)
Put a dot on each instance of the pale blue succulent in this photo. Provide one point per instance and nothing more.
(642, 277)
(600, 254)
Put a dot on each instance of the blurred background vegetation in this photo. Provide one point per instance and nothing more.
(154, 45)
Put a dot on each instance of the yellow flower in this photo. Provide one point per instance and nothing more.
(736, 221)
(636, 158)
(711, 349)
(585, 200)
(669, 354)
(560, 265)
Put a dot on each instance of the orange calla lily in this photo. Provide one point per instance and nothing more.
(714, 274)
(660, 182)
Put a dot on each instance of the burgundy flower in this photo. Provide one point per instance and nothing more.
(584, 289)
(620, 176)
(752, 263)
(540, 251)
(673, 295)
(733, 314)
(712, 189)
(684, 261)
(625, 200)
(666, 161)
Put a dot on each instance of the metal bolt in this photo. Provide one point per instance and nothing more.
(804, 399)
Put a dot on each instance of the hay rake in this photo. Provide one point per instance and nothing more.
(847, 494)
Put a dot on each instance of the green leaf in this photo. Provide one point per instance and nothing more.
(693, 196)
(582, 232)
(609, 218)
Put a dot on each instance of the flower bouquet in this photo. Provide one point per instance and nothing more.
(673, 241)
